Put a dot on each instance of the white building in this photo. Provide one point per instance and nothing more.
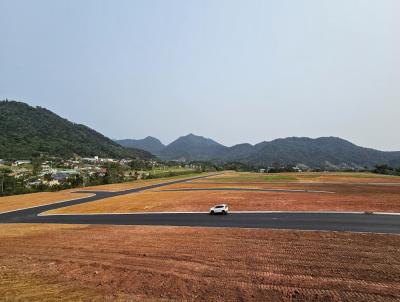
(22, 162)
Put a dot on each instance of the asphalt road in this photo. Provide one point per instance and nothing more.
(378, 223)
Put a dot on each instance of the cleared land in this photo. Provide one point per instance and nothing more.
(15, 202)
(173, 264)
(242, 177)
(45, 262)
(136, 184)
(350, 196)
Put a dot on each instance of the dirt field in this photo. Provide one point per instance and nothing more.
(118, 263)
(346, 197)
(15, 202)
(303, 177)
(137, 184)
(10, 203)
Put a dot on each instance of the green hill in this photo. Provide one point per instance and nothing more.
(191, 148)
(319, 152)
(151, 144)
(27, 131)
(323, 152)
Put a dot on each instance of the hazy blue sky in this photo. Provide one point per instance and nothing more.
(235, 71)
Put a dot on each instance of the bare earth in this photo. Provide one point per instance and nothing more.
(346, 197)
(137, 183)
(325, 177)
(45, 262)
(15, 202)
(11, 203)
(126, 263)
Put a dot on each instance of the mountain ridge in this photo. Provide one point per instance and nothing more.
(149, 143)
(27, 131)
(191, 148)
(314, 152)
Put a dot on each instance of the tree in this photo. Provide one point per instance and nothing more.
(383, 169)
(47, 177)
(36, 166)
(4, 172)
(2, 181)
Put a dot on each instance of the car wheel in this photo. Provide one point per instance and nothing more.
(223, 213)
(212, 213)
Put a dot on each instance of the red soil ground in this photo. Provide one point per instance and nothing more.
(347, 197)
(118, 263)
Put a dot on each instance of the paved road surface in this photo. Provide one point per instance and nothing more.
(301, 221)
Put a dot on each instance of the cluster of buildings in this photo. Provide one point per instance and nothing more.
(284, 168)
(57, 171)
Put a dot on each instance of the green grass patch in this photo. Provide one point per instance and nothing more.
(173, 174)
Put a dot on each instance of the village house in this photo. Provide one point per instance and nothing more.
(22, 162)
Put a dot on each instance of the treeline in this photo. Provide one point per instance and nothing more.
(163, 174)
(386, 170)
(279, 168)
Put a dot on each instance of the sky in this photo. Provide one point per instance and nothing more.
(234, 71)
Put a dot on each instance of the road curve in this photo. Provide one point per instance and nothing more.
(352, 222)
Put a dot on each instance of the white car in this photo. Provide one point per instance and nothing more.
(219, 209)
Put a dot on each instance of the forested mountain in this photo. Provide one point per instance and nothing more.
(321, 152)
(192, 147)
(150, 144)
(27, 131)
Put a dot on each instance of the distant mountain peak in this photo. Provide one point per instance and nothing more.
(149, 143)
(191, 135)
(151, 138)
(192, 147)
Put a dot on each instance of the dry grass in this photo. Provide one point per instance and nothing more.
(29, 229)
(110, 263)
(19, 286)
(338, 177)
(136, 184)
(11, 203)
(247, 185)
(347, 197)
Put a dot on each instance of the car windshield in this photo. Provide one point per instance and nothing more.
(218, 207)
